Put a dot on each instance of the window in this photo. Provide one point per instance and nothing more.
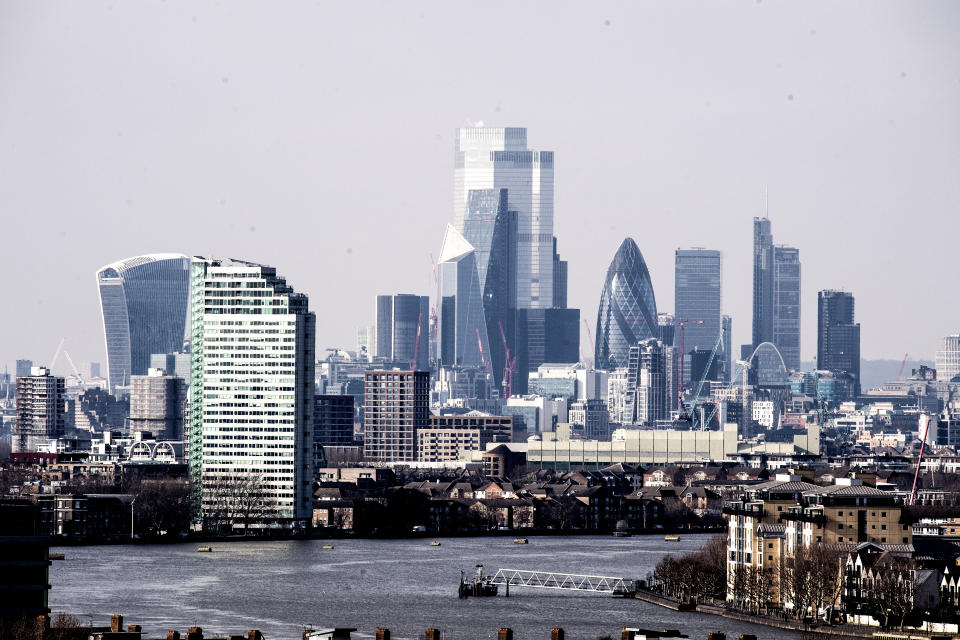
(770, 546)
(883, 539)
(840, 539)
(883, 514)
(884, 527)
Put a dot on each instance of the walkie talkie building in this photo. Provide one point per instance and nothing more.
(144, 305)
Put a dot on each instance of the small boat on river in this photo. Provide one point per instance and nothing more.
(328, 546)
(204, 549)
(434, 544)
(671, 538)
(520, 541)
(56, 556)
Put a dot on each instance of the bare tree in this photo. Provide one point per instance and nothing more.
(232, 500)
(894, 590)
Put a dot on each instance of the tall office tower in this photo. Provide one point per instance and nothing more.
(647, 377)
(786, 304)
(628, 308)
(40, 405)
(384, 328)
(144, 305)
(94, 370)
(544, 336)
(838, 337)
(463, 329)
(24, 367)
(762, 282)
(948, 359)
(403, 321)
(491, 228)
(559, 279)
(251, 395)
(698, 276)
(333, 421)
(727, 323)
(498, 158)
(157, 401)
(395, 405)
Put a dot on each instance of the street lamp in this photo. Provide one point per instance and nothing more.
(132, 502)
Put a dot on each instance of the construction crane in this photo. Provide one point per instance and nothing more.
(902, 364)
(76, 371)
(588, 363)
(434, 314)
(416, 346)
(56, 354)
(703, 379)
(680, 323)
(744, 368)
(509, 365)
(923, 423)
(483, 359)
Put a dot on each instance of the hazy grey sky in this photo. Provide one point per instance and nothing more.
(318, 137)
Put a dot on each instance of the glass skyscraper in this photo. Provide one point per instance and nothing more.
(251, 397)
(463, 329)
(786, 304)
(838, 337)
(491, 229)
(698, 279)
(628, 309)
(763, 274)
(495, 158)
(144, 305)
(403, 321)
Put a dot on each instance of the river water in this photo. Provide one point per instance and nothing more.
(406, 586)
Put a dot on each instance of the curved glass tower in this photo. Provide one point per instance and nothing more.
(144, 304)
(628, 309)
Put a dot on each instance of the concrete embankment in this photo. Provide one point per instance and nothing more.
(791, 625)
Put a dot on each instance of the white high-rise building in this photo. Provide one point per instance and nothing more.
(251, 397)
(948, 358)
(498, 158)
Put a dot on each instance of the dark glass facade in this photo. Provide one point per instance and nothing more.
(786, 305)
(838, 336)
(698, 279)
(763, 278)
(628, 309)
(333, 421)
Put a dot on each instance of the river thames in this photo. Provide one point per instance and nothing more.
(280, 587)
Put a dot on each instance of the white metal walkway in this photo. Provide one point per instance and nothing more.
(566, 581)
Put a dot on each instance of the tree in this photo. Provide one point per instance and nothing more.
(894, 590)
(231, 500)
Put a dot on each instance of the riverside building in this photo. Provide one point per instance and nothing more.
(251, 397)
(40, 416)
(396, 404)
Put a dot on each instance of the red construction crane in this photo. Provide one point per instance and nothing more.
(483, 358)
(509, 365)
(923, 423)
(902, 364)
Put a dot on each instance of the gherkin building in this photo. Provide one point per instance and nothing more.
(628, 309)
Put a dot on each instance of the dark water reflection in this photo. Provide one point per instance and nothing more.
(404, 585)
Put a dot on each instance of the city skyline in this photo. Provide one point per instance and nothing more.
(815, 159)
